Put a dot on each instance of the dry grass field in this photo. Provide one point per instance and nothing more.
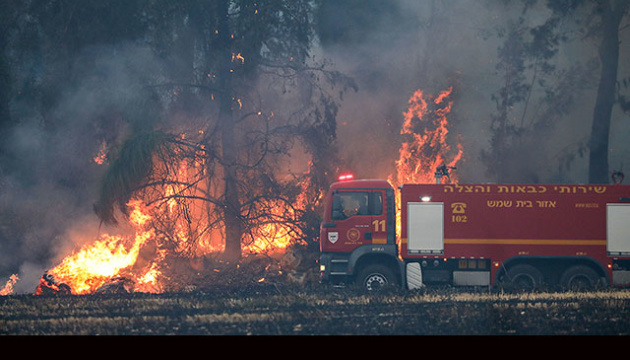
(273, 310)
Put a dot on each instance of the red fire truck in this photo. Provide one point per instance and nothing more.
(525, 236)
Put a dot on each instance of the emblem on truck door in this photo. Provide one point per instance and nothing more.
(353, 235)
(333, 237)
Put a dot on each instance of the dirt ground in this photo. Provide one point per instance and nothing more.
(282, 310)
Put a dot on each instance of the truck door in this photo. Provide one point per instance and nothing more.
(358, 218)
(379, 222)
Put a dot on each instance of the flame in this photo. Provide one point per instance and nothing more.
(8, 287)
(101, 156)
(95, 264)
(424, 144)
(238, 57)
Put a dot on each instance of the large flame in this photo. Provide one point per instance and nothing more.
(424, 145)
(110, 256)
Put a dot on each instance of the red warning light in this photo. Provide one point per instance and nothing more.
(345, 177)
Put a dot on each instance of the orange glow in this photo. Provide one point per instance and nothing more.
(8, 287)
(101, 157)
(238, 57)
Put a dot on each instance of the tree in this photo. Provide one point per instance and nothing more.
(523, 118)
(610, 14)
(255, 92)
(524, 58)
(601, 20)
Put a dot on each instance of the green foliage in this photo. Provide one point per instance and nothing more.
(127, 172)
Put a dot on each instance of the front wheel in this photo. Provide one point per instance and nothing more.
(375, 278)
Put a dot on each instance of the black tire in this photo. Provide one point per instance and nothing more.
(579, 278)
(376, 277)
(524, 277)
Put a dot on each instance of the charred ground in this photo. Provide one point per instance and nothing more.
(273, 308)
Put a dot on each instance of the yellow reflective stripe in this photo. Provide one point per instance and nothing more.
(526, 241)
(521, 241)
(379, 241)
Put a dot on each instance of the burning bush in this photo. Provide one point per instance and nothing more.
(163, 187)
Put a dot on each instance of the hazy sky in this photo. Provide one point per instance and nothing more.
(452, 43)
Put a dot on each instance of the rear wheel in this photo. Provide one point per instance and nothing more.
(579, 277)
(524, 277)
(375, 278)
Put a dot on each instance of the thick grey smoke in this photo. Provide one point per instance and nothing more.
(51, 191)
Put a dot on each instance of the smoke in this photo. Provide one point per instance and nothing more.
(405, 45)
(53, 182)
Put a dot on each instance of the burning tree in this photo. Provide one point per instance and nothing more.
(424, 147)
(227, 153)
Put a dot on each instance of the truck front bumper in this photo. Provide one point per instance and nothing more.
(333, 265)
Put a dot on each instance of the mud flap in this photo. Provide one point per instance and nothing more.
(414, 276)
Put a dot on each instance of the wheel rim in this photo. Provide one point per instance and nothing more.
(375, 282)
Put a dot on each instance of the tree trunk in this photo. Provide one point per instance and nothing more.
(232, 209)
(612, 13)
(6, 122)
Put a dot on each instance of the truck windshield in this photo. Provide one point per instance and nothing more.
(356, 203)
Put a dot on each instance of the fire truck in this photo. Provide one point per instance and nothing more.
(519, 236)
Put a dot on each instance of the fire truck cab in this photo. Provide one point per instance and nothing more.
(524, 236)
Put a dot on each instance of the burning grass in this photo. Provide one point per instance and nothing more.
(277, 309)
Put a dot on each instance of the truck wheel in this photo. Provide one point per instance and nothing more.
(579, 277)
(375, 277)
(524, 277)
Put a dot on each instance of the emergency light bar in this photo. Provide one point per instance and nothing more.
(345, 177)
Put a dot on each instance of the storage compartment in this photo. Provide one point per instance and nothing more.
(425, 228)
(618, 229)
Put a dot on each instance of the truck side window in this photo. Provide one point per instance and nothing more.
(376, 203)
(348, 204)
